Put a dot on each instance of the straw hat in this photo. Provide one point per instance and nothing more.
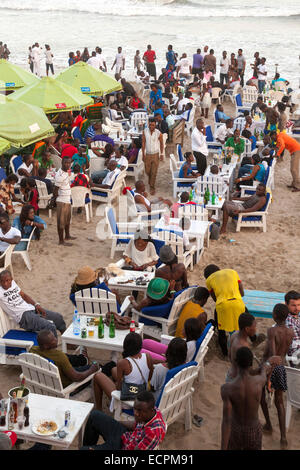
(158, 288)
(86, 275)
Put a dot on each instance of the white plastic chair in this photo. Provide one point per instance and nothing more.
(108, 195)
(25, 253)
(56, 161)
(193, 212)
(144, 218)
(176, 180)
(11, 336)
(6, 256)
(42, 377)
(188, 126)
(44, 197)
(231, 92)
(78, 196)
(293, 392)
(136, 169)
(176, 242)
(118, 232)
(174, 401)
(217, 94)
(95, 302)
(137, 116)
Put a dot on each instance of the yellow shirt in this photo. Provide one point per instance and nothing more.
(229, 302)
(190, 310)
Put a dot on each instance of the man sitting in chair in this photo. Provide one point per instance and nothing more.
(143, 204)
(23, 310)
(8, 235)
(108, 181)
(244, 204)
(72, 367)
(146, 432)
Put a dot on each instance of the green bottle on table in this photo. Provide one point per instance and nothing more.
(112, 333)
(100, 328)
(213, 198)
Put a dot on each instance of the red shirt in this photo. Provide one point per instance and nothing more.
(150, 56)
(77, 121)
(145, 436)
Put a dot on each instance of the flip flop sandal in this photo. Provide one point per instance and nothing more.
(197, 420)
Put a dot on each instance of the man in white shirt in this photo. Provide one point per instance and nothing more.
(241, 61)
(36, 58)
(199, 146)
(94, 61)
(262, 75)
(224, 131)
(152, 145)
(8, 235)
(119, 62)
(224, 64)
(62, 196)
(23, 310)
(49, 60)
(28, 168)
(108, 180)
(183, 67)
(101, 58)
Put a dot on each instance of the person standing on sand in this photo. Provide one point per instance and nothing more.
(49, 60)
(285, 141)
(241, 429)
(36, 57)
(279, 340)
(152, 147)
(247, 329)
(62, 196)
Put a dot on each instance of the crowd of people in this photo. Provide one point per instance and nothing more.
(145, 363)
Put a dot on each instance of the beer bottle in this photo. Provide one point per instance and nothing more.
(112, 333)
(100, 329)
(213, 198)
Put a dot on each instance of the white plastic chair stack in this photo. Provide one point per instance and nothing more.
(78, 196)
(250, 95)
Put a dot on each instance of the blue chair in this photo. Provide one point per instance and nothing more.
(179, 153)
(174, 400)
(162, 319)
(212, 144)
(15, 162)
(240, 108)
(2, 174)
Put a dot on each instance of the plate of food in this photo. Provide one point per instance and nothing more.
(45, 428)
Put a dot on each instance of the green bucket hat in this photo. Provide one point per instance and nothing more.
(158, 288)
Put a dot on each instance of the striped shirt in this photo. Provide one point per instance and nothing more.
(293, 322)
(152, 141)
(145, 436)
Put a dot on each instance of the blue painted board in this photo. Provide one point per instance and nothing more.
(261, 303)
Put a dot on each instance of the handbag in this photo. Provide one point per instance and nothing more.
(129, 391)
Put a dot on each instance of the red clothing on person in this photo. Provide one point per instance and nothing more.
(77, 121)
(68, 150)
(33, 199)
(145, 436)
(150, 56)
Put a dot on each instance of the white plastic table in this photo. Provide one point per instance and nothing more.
(115, 345)
(119, 284)
(43, 407)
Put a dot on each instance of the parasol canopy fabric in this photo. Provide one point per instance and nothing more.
(89, 80)
(23, 124)
(53, 96)
(13, 77)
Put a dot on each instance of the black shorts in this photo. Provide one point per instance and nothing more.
(196, 71)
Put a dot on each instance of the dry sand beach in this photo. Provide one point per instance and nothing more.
(265, 261)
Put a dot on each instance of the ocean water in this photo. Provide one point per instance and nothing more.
(271, 27)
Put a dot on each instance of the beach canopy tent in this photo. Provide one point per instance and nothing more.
(4, 145)
(53, 96)
(23, 124)
(89, 80)
(13, 77)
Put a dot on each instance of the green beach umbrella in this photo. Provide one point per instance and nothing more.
(12, 76)
(89, 80)
(23, 124)
(53, 96)
(4, 145)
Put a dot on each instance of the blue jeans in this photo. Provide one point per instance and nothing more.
(100, 424)
(261, 86)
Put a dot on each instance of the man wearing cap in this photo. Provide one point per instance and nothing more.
(159, 292)
(140, 253)
(172, 271)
